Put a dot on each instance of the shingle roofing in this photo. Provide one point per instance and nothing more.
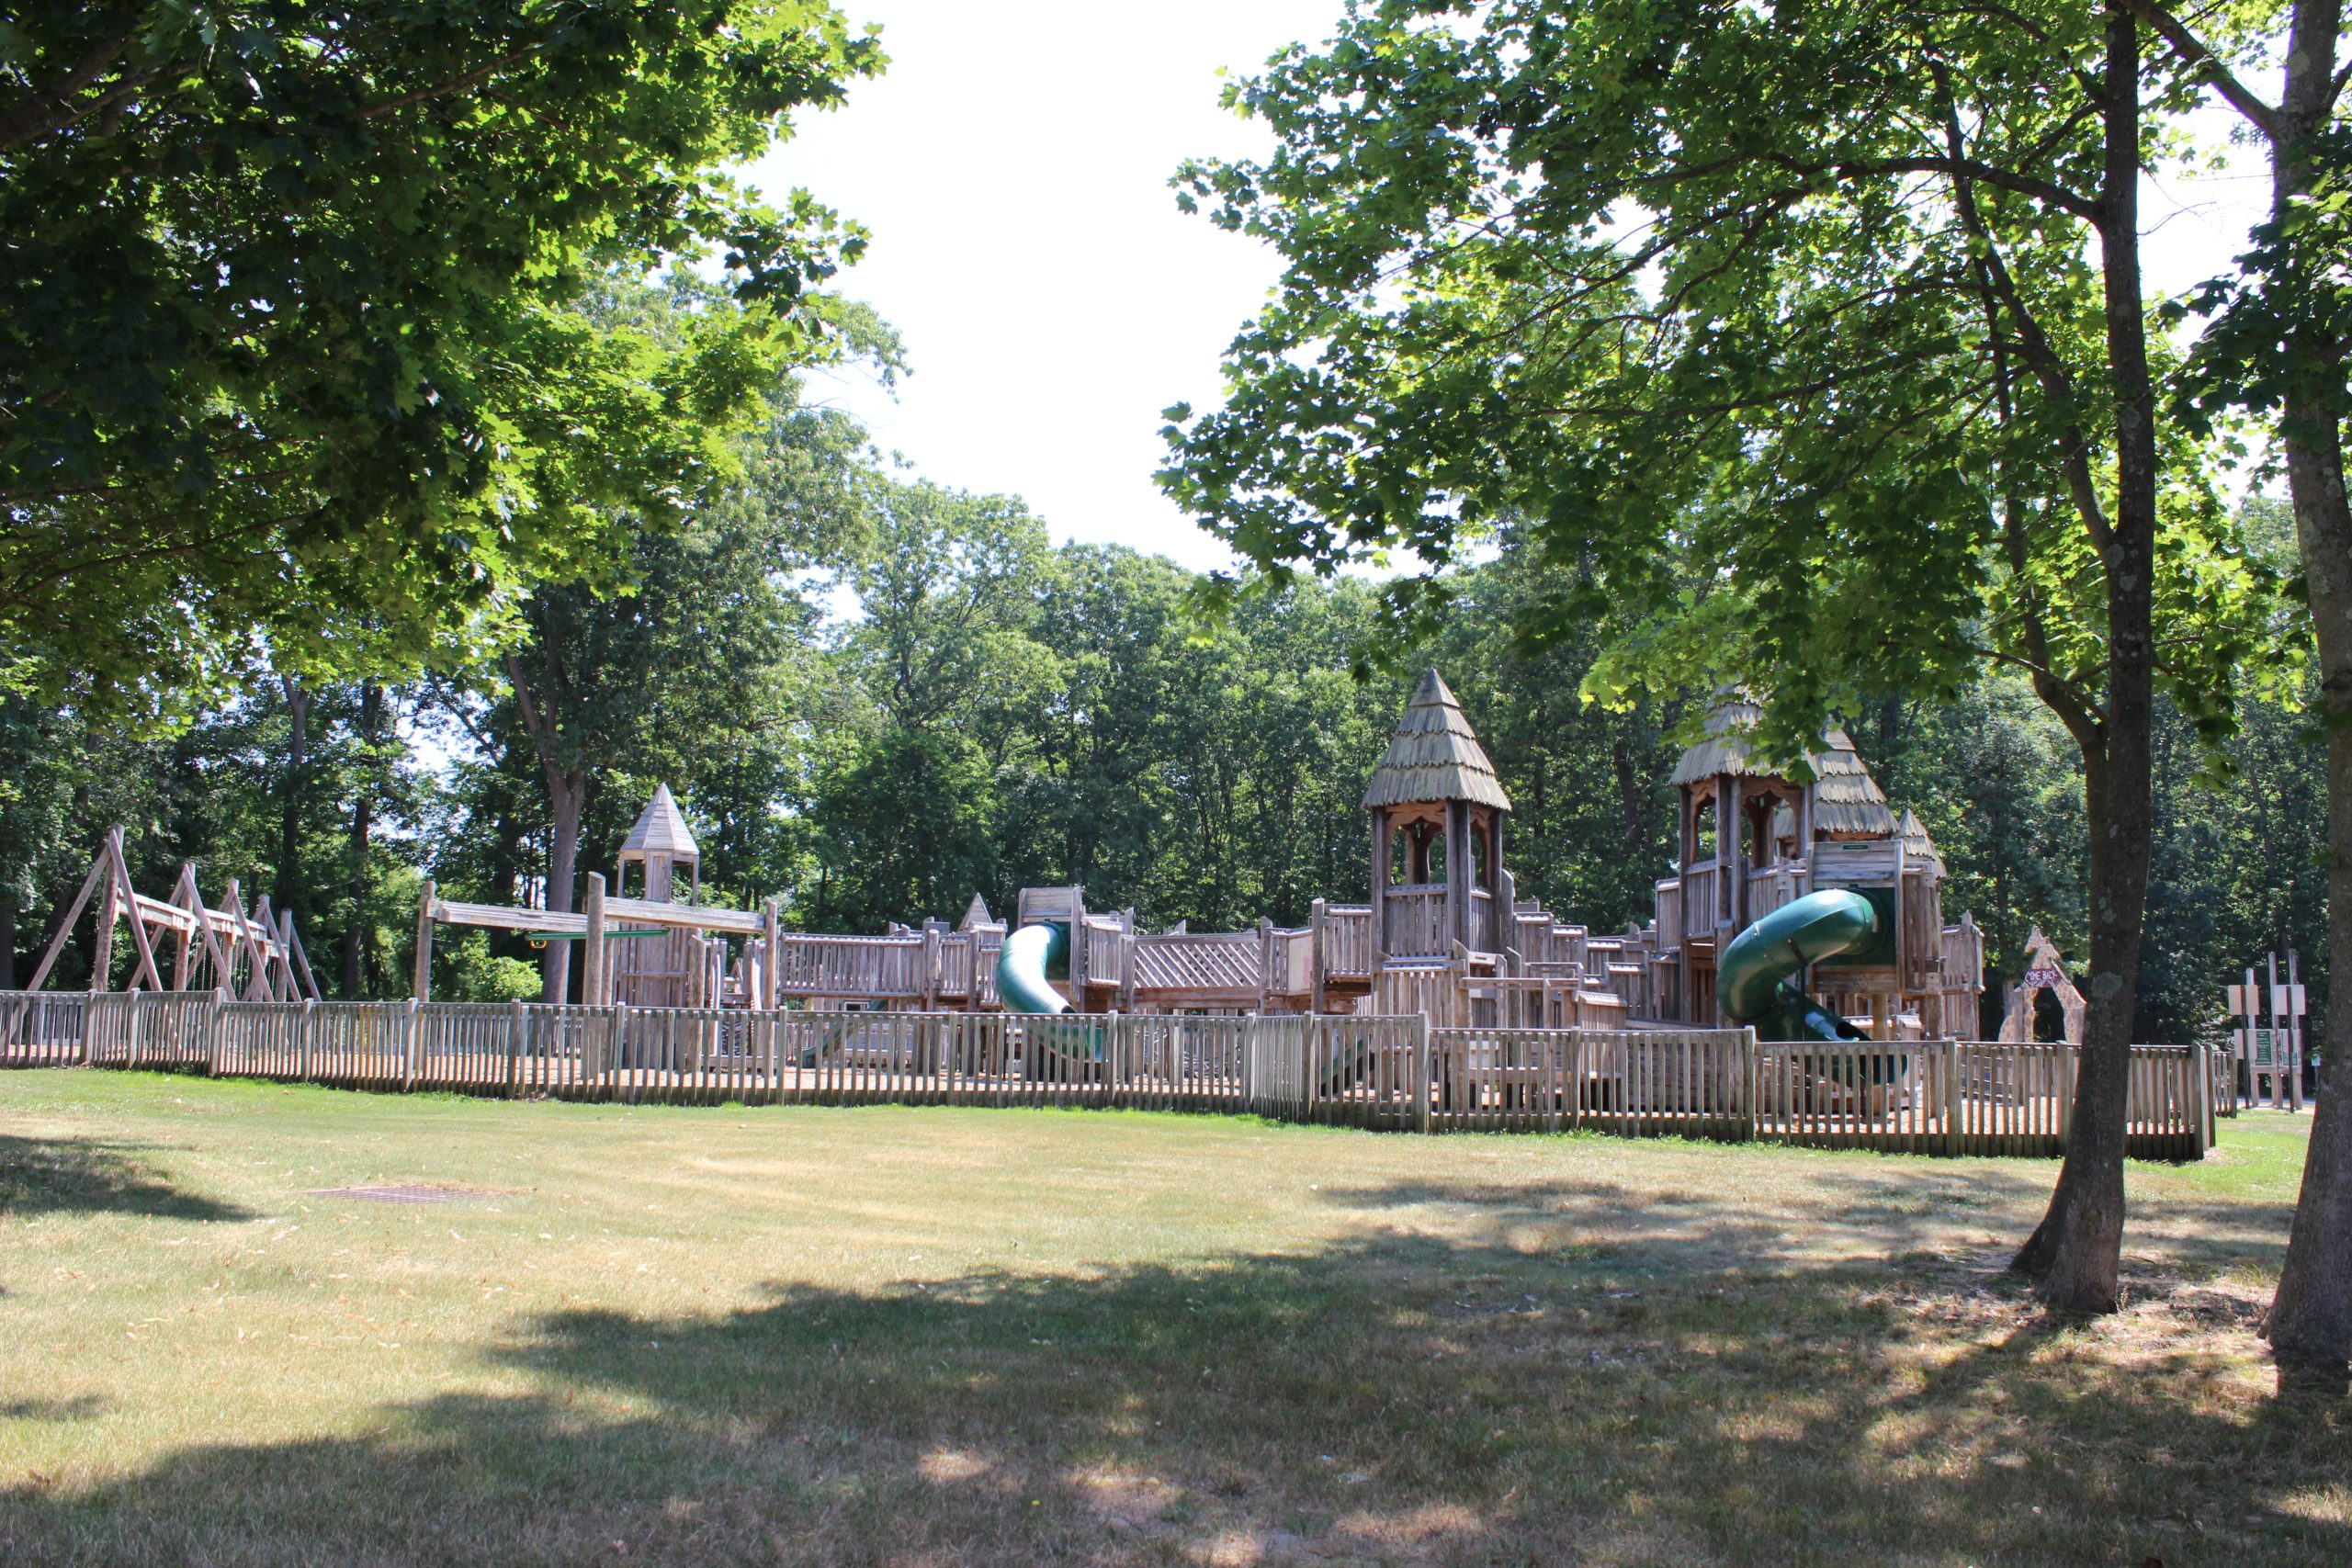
(1434, 755)
(661, 830)
(1917, 845)
(1846, 799)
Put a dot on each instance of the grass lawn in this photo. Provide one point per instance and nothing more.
(929, 1337)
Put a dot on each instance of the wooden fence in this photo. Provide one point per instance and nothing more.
(1940, 1096)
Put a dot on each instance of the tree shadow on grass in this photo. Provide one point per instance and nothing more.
(1558, 1375)
(83, 1175)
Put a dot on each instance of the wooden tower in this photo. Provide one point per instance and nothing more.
(1750, 838)
(1435, 787)
(658, 845)
(669, 967)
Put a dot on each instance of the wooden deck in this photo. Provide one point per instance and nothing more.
(1939, 1096)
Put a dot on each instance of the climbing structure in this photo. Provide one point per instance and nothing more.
(1443, 933)
(1752, 840)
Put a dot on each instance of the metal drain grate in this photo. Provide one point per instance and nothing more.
(404, 1194)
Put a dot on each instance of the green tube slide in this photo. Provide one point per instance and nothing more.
(1752, 979)
(1024, 965)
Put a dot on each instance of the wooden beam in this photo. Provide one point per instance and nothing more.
(772, 931)
(593, 986)
(206, 923)
(424, 987)
(292, 941)
(258, 978)
(64, 927)
(138, 926)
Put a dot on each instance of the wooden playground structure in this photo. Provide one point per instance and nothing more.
(244, 951)
(1441, 1001)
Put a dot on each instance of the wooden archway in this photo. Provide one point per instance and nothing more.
(2044, 971)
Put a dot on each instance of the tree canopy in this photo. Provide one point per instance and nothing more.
(291, 337)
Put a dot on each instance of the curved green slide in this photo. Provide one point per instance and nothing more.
(1023, 964)
(1752, 979)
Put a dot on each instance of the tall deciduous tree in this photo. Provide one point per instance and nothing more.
(290, 357)
(692, 656)
(1844, 312)
(2280, 347)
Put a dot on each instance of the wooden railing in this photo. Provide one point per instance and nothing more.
(1345, 934)
(1289, 961)
(1669, 901)
(1940, 1096)
(1414, 922)
(1108, 944)
(1964, 955)
(1702, 908)
(851, 966)
(1775, 886)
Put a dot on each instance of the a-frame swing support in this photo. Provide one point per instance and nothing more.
(277, 967)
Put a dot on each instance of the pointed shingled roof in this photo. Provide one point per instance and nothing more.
(976, 914)
(1846, 799)
(1917, 845)
(1434, 755)
(661, 830)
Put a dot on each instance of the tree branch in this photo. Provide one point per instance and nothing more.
(49, 109)
(2201, 61)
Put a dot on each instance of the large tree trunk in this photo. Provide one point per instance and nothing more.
(2077, 1249)
(358, 842)
(290, 800)
(567, 795)
(2309, 1324)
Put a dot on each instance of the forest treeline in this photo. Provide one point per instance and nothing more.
(876, 696)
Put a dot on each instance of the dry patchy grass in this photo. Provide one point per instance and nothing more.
(983, 1336)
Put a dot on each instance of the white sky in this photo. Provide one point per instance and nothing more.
(1013, 167)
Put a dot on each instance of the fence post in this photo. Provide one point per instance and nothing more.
(1420, 1072)
(305, 1029)
(2201, 1097)
(615, 1043)
(517, 1022)
(131, 1026)
(1952, 1098)
(416, 1046)
(1751, 1054)
(2069, 1070)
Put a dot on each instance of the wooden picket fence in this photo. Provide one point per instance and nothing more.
(1940, 1096)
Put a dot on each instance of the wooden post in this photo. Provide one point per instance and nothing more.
(2200, 1098)
(1456, 926)
(770, 979)
(2294, 1023)
(416, 1046)
(1421, 1072)
(931, 966)
(1952, 1098)
(306, 1032)
(424, 942)
(130, 1015)
(1382, 846)
(1730, 818)
(593, 979)
(102, 943)
(1316, 921)
(182, 940)
(518, 1023)
(1502, 893)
